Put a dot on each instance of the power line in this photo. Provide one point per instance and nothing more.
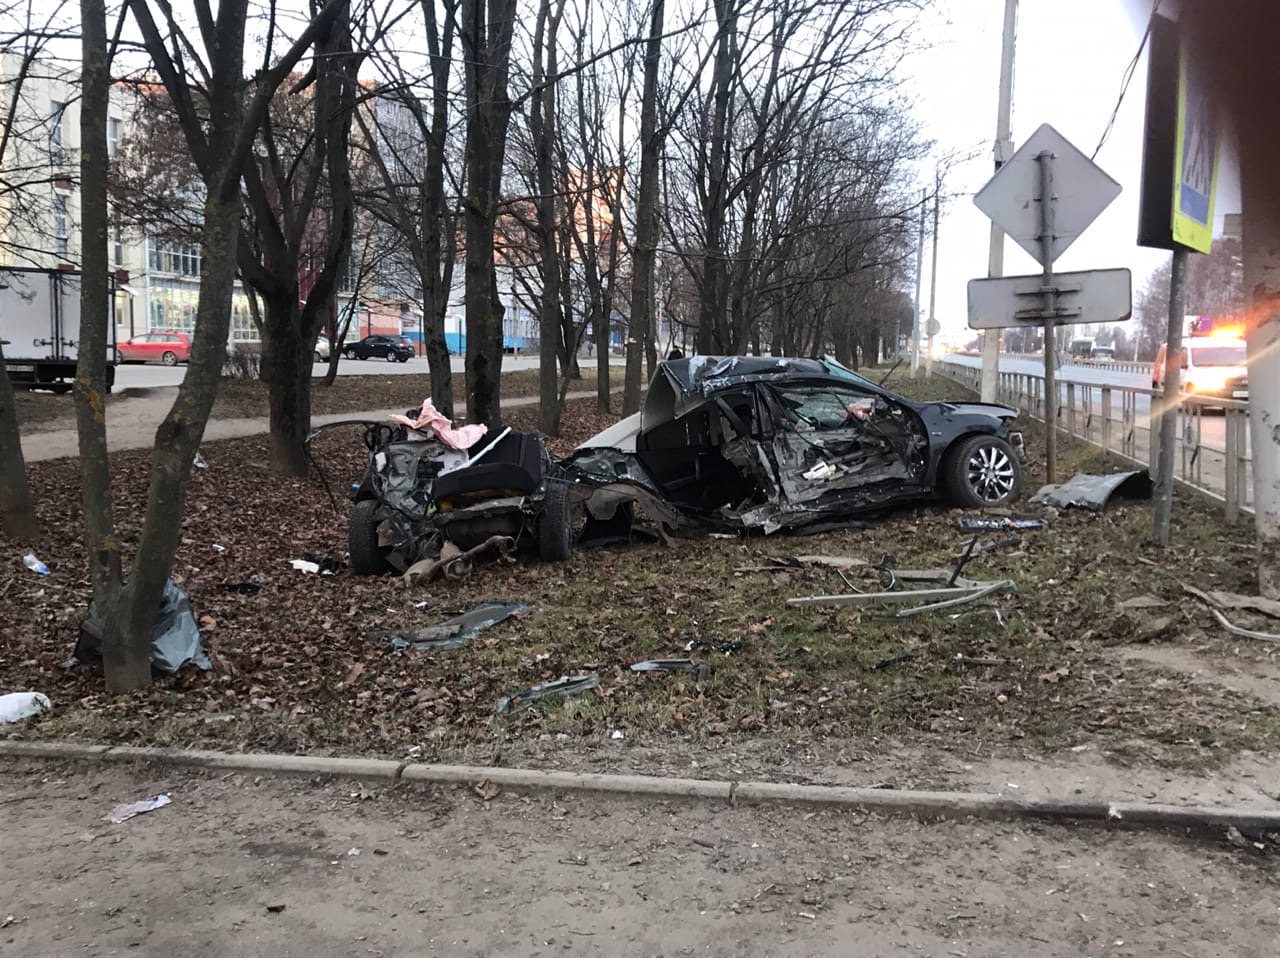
(1128, 78)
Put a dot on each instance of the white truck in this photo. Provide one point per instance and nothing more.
(40, 328)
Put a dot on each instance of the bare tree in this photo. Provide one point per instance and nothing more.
(219, 123)
(487, 29)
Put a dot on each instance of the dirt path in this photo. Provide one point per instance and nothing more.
(244, 867)
(132, 422)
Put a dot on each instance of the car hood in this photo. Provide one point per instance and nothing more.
(997, 410)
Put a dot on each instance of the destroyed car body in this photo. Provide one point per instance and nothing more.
(419, 498)
(763, 443)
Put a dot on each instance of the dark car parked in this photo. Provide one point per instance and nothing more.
(771, 443)
(391, 348)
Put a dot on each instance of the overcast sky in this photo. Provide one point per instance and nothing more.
(1071, 58)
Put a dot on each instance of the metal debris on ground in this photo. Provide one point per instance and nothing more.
(728, 647)
(1231, 600)
(701, 669)
(565, 685)
(453, 563)
(1242, 632)
(451, 633)
(1000, 523)
(1087, 491)
(962, 659)
(940, 598)
(122, 813)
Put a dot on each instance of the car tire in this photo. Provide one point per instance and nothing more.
(317, 357)
(367, 557)
(404, 358)
(361, 356)
(555, 524)
(119, 358)
(391, 357)
(169, 358)
(981, 472)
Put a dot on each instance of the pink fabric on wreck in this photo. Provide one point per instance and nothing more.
(464, 437)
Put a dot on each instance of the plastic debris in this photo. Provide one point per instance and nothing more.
(199, 462)
(316, 565)
(176, 639)
(122, 813)
(451, 633)
(35, 565)
(1092, 492)
(616, 735)
(17, 706)
(701, 669)
(999, 523)
(565, 685)
(217, 549)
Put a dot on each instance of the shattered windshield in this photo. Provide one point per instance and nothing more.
(835, 369)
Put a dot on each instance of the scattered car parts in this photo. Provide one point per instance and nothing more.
(1093, 492)
(565, 685)
(701, 669)
(451, 633)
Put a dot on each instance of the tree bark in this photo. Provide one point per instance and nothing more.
(17, 509)
(487, 27)
(286, 368)
(644, 249)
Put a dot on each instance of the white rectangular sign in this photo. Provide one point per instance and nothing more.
(1093, 296)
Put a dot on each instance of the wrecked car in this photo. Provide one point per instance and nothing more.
(421, 494)
(764, 443)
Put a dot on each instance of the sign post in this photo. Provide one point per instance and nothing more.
(1070, 191)
(1045, 159)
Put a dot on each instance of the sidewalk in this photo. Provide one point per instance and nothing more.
(252, 866)
(132, 424)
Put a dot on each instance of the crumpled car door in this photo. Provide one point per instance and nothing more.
(845, 446)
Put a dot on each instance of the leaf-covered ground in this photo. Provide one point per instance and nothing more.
(296, 669)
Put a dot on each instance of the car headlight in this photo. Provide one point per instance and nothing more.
(1207, 380)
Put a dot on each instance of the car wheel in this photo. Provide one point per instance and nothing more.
(982, 471)
(169, 358)
(367, 557)
(119, 358)
(555, 524)
(405, 357)
(361, 356)
(317, 357)
(390, 357)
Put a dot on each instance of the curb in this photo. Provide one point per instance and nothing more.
(919, 804)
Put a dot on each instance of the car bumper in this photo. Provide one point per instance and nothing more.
(1019, 444)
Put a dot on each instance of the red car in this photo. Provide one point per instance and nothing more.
(155, 347)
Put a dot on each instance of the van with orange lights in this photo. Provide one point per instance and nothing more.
(1213, 361)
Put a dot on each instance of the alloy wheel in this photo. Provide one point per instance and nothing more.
(991, 474)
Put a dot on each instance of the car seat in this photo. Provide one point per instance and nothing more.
(514, 464)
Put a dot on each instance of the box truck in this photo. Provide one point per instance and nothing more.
(40, 328)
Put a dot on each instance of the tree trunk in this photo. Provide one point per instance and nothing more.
(644, 249)
(286, 369)
(542, 127)
(486, 38)
(17, 510)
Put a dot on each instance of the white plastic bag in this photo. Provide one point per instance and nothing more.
(17, 706)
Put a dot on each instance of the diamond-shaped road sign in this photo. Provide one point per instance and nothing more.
(1081, 191)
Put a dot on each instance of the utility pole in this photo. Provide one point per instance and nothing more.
(915, 332)
(1003, 151)
(1172, 390)
(933, 274)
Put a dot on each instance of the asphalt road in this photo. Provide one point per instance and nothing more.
(151, 376)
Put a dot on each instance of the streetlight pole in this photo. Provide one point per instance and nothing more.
(915, 332)
(1003, 151)
(933, 273)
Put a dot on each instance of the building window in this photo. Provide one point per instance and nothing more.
(60, 224)
(56, 111)
(181, 259)
(117, 245)
(113, 135)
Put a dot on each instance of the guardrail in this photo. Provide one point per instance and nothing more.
(1212, 455)
(1119, 365)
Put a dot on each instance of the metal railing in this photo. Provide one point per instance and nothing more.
(1118, 365)
(1212, 455)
